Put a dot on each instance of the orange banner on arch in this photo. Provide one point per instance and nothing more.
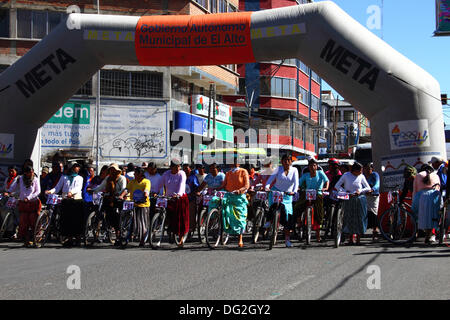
(211, 39)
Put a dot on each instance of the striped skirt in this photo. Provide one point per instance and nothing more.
(355, 215)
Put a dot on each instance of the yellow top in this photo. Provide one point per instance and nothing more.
(136, 191)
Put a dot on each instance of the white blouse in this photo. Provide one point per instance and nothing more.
(351, 183)
(285, 183)
(74, 188)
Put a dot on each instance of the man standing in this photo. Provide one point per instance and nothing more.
(438, 165)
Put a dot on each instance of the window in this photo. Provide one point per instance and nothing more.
(303, 95)
(281, 87)
(315, 77)
(349, 116)
(223, 6)
(315, 103)
(212, 6)
(131, 84)
(202, 3)
(303, 67)
(37, 24)
(4, 23)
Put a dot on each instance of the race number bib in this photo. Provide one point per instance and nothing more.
(206, 200)
(260, 195)
(342, 196)
(12, 203)
(296, 196)
(389, 197)
(53, 199)
(161, 202)
(277, 197)
(220, 194)
(128, 205)
(311, 194)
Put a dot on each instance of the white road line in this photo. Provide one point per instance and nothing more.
(290, 287)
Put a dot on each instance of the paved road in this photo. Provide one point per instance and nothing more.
(315, 272)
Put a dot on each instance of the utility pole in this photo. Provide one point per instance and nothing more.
(335, 125)
(97, 108)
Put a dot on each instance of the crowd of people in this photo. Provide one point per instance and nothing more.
(184, 184)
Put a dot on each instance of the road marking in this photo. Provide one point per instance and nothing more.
(290, 287)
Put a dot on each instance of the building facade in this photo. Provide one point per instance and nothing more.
(116, 131)
(279, 100)
(351, 126)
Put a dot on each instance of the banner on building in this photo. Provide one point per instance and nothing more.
(6, 146)
(200, 106)
(442, 18)
(70, 128)
(133, 131)
(190, 123)
(409, 134)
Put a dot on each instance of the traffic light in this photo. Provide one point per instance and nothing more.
(444, 99)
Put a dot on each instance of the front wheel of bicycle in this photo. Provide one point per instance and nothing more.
(213, 231)
(126, 227)
(9, 219)
(275, 226)
(258, 223)
(397, 226)
(338, 222)
(201, 224)
(443, 225)
(42, 228)
(307, 225)
(157, 228)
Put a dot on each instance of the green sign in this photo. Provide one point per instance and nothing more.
(224, 131)
(73, 112)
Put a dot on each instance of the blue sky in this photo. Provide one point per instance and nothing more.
(408, 26)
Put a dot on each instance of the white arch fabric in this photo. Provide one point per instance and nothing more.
(401, 100)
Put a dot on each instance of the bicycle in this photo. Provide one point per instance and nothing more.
(9, 224)
(97, 228)
(259, 220)
(306, 218)
(126, 215)
(160, 225)
(338, 217)
(214, 233)
(330, 208)
(202, 214)
(396, 224)
(277, 197)
(48, 222)
(444, 222)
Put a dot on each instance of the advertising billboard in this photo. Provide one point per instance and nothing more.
(442, 18)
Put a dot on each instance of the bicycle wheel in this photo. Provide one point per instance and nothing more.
(258, 223)
(329, 222)
(307, 226)
(338, 222)
(397, 226)
(275, 225)
(42, 228)
(201, 225)
(442, 225)
(213, 232)
(126, 226)
(181, 240)
(157, 226)
(5, 224)
(92, 229)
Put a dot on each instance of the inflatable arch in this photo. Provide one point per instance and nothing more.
(401, 100)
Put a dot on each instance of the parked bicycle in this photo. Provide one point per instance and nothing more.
(97, 228)
(48, 223)
(214, 232)
(397, 224)
(9, 225)
(159, 226)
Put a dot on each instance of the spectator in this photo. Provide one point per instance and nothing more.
(373, 199)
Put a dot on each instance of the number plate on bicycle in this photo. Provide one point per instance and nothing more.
(96, 198)
(128, 205)
(342, 196)
(311, 194)
(277, 196)
(12, 203)
(260, 195)
(53, 199)
(220, 194)
(206, 200)
(161, 202)
(296, 197)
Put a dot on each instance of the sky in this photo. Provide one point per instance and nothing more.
(408, 26)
